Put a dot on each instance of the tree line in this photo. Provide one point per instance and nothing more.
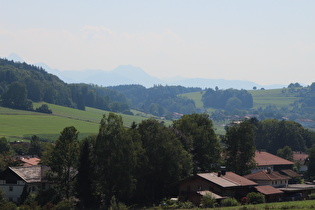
(229, 99)
(21, 84)
(159, 100)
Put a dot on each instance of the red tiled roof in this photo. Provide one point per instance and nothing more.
(268, 190)
(265, 175)
(290, 173)
(30, 161)
(230, 179)
(300, 157)
(265, 159)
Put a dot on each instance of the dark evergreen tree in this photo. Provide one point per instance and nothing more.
(239, 148)
(85, 179)
(36, 147)
(62, 158)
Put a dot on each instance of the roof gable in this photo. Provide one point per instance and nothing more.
(265, 175)
(267, 159)
(268, 190)
(30, 174)
(230, 179)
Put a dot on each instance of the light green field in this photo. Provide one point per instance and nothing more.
(17, 124)
(261, 98)
(196, 97)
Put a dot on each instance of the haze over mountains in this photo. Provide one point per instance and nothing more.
(128, 74)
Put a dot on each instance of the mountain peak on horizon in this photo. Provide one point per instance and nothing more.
(15, 57)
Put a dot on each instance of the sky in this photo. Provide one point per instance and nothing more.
(264, 41)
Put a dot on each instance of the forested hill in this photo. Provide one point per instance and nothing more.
(159, 100)
(21, 83)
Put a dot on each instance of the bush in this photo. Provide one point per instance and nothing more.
(207, 201)
(255, 198)
(64, 205)
(311, 196)
(186, 205)
(43, 109)
(230, 202)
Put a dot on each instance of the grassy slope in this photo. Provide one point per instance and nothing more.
(261, 98)
(16, 124)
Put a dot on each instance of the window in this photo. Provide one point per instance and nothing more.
(10, 188)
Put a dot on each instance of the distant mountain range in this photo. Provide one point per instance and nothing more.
(128, 74)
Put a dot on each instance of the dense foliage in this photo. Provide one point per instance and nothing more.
(159, 100)
(272, 134)
(229, 99)
(21, 83)
(239, 147)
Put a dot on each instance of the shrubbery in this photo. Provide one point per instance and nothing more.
(230, 202)
(207, 201)
(255, 198)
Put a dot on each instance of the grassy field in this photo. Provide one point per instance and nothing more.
(261, 98)
(16, 125)
(307, 204)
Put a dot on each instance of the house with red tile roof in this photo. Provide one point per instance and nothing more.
(268, 177)
(265, 160)
(223, 184)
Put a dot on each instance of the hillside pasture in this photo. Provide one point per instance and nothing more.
(263, 98)
(17, 125)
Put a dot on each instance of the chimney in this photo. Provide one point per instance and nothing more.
(223, 170)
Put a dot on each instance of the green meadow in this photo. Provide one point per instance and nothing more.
(17, 125)
(261, 98)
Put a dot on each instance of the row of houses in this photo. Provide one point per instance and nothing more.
(272, 177)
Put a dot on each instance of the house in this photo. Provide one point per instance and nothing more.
(268, 177)
(301, 159)
(15, 180)
(222, 184)
(271, 194)
(265, 160)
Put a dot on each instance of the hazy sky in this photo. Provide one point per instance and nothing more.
(264, 41)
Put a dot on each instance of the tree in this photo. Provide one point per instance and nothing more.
(198, 138)
(286, 153)
(4, 145)
(85, 179)
(165, 163)
(63, 160)
(36, 147)
(239, 147)
(15, 97)
(115, 159)
(311, 162)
